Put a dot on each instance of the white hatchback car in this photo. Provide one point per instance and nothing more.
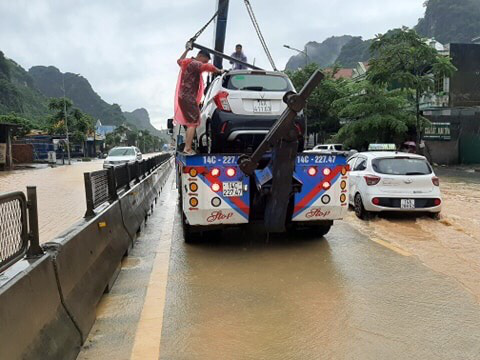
(121, 155)
(239, 109)
(392, 181)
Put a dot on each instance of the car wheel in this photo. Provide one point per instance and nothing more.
(435, 216)
(360, 209)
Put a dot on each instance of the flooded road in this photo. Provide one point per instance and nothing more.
(350, 295)
(450, 245)
(60, 192)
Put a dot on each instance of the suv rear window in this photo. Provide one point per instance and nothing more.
(256, 82)
(401, 166)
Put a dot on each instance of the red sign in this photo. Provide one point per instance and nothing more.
(317, 213)
(219, 216)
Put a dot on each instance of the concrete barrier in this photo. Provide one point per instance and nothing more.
(87, 258)
(136, 203)
(48, 305)
(33, 322)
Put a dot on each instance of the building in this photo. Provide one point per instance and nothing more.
(104, 130)
(454, 109)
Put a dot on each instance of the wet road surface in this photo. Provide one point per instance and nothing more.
(60, 193)
(350, 295)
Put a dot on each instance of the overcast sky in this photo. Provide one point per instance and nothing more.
(127, 49)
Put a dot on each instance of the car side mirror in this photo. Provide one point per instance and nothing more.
(170, 126)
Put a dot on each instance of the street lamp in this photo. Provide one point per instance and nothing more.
(66, 122)
(304, 52)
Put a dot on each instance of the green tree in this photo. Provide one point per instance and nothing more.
(402, 59)
(373, 114)
(26, 125)
(80, 125)
(321, 120)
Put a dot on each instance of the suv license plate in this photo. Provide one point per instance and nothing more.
(407, 204)
(232, 188)
(262, 106)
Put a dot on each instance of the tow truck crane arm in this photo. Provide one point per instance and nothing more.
(282, 140)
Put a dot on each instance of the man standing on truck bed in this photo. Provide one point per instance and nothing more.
(239, 55)
(190, 91)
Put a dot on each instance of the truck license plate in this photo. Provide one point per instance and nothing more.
(407, 204)
(262, 106)
(232, 188)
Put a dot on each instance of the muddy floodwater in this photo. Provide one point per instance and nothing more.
(450, 245)
(60, 192)
(391, 288)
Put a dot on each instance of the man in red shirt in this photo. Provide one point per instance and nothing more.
(189, 93)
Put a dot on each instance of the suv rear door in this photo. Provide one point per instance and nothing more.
(257, 93)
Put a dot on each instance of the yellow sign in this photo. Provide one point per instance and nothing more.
(3, 153)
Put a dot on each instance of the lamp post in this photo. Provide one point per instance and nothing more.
(66, 121)
(304, 52)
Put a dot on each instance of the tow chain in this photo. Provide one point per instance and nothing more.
(259, 33)
(199, 32)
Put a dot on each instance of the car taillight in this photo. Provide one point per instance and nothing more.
(436, 181)
(437, 202)
(372, 180)
(221, 100)
(376, 201)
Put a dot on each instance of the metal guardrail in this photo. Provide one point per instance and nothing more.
(104, 186)
(18, 227)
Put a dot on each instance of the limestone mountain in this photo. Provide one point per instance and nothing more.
(18, 93)
(141, 120)
(448, 21)
(49, 80)
(323, 54)
(451, 21)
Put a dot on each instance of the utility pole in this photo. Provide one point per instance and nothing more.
(66, 120)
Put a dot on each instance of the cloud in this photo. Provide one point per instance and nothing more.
(128, 49)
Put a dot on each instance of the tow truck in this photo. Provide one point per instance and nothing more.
(275, 185)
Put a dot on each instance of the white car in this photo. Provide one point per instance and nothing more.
(327, 148)
(121, 155)
(392, 181)
(239, 109)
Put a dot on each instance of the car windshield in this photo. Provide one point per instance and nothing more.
(257, 82)
(401, 166)
(121, 152)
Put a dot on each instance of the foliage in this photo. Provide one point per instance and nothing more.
(320, 117)
(79, 124)
(124, 136)
(404, 60)
(451, 21)
(18, 94)
(373, 115)
(12, 118)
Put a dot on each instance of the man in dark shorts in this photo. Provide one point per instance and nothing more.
(189, 93)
